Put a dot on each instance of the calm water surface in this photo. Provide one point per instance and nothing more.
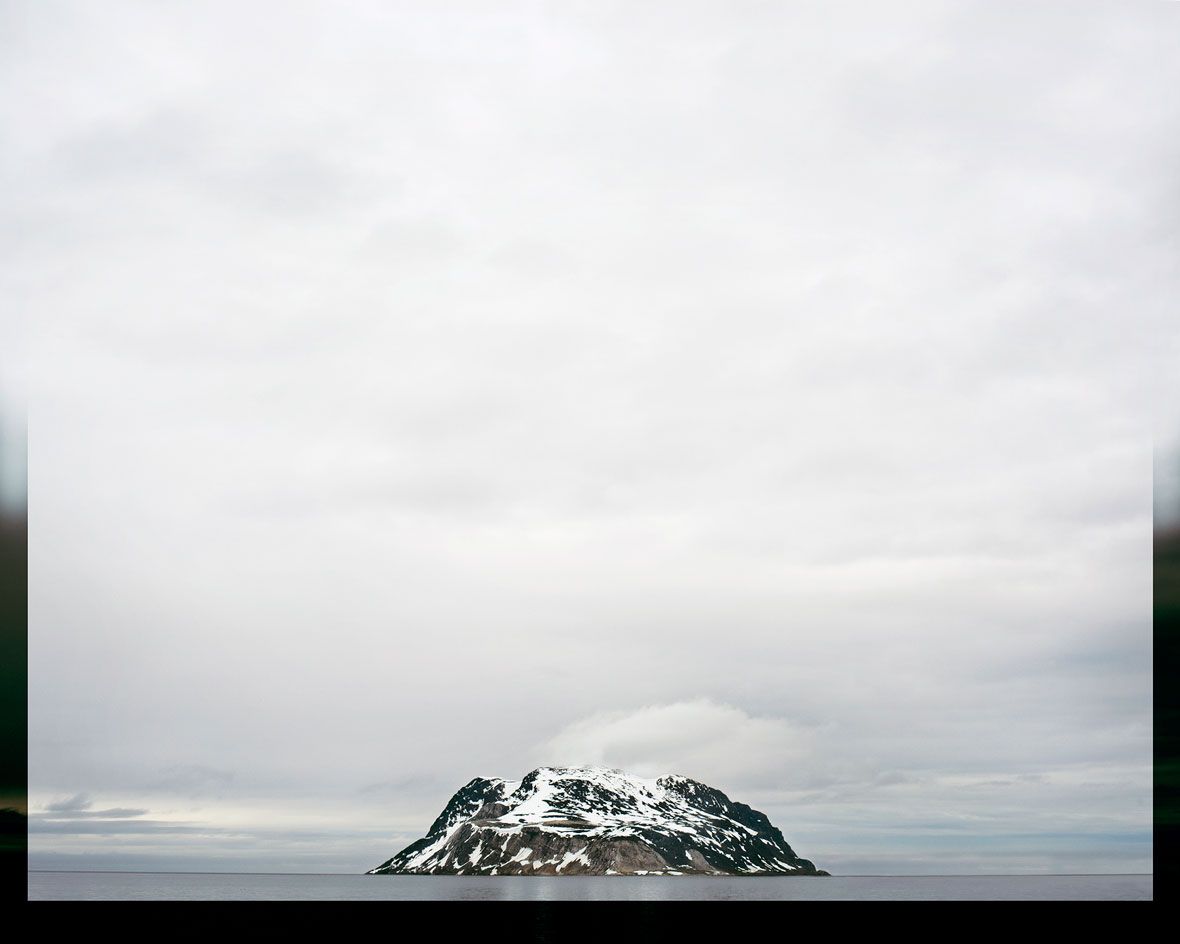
(173, 886)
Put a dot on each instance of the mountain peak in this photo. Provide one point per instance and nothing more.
(597, 821)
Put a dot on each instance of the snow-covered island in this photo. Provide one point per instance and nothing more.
(596, 821)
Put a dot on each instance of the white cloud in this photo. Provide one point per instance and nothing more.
(703, 739)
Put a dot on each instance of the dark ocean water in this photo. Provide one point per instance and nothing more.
(174, 886)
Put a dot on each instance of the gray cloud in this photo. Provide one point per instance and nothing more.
(111, 827)
(766, 390)
(112, 813)
(78, 803)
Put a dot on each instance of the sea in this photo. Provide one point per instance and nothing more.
(205, 886)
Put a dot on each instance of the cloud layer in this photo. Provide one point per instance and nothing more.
(422, 390)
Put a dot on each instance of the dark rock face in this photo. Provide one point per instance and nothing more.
(595, 821)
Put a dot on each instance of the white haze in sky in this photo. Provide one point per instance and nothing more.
(762, 392)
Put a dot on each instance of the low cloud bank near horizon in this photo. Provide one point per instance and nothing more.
(828, 791)
(424, 391)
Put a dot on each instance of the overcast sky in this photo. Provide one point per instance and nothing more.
(762, 392)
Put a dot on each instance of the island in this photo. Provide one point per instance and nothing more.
(597, 821)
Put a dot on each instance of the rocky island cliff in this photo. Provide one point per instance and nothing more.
(596, 821)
